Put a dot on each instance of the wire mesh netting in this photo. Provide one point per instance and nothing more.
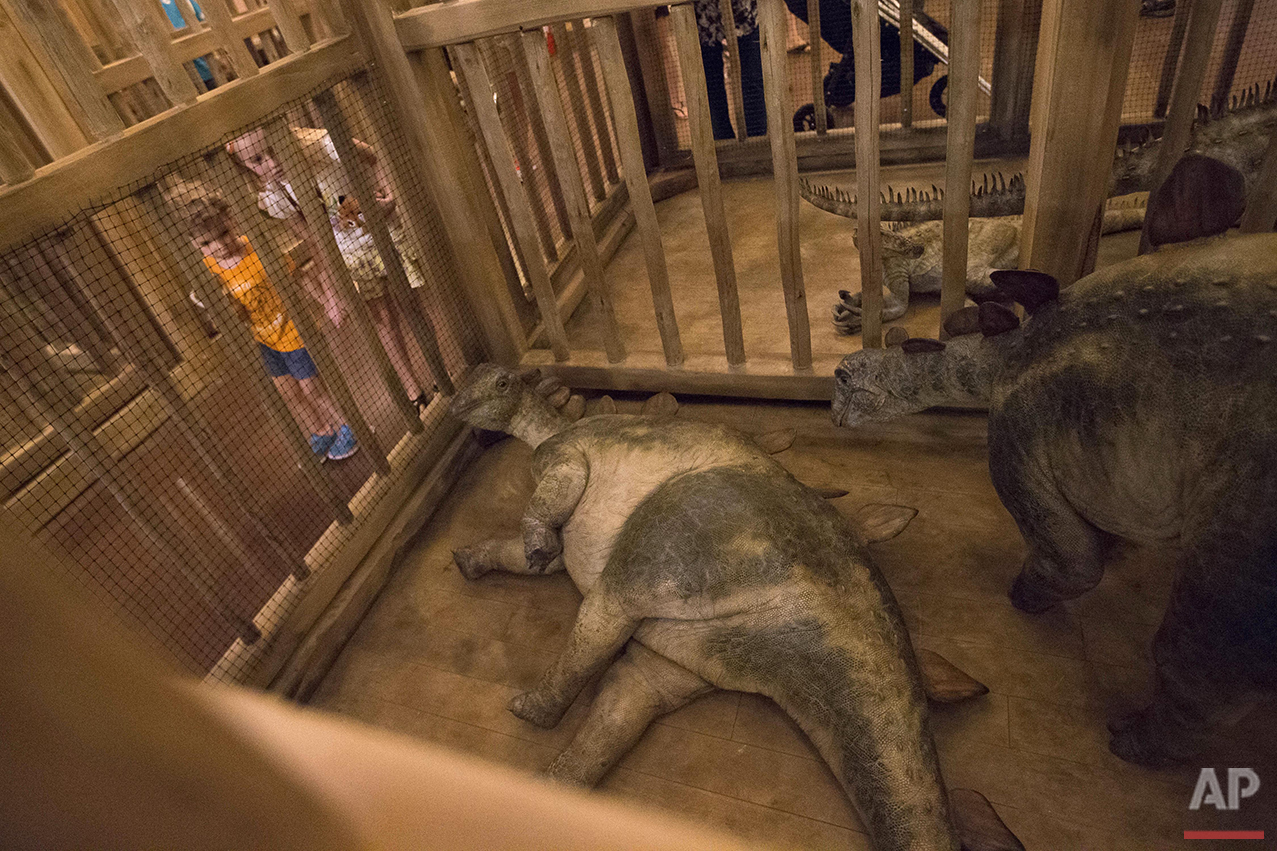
(204, 373)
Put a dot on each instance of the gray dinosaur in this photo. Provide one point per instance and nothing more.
(1139, 405)
(912, 257)
(726, 572)
(1235, 133)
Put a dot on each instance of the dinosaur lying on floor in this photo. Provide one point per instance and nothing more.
(912, 254)
(1235, 133)
(707, 565)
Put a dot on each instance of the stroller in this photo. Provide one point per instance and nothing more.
(930, 48)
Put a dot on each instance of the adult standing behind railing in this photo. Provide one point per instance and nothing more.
(709, 25)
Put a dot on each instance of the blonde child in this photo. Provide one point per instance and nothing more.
(278, 199)
(230, 257)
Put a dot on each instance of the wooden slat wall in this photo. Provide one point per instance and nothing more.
(1188, 85)
(733, 65)
(964, 70)
(864, 22)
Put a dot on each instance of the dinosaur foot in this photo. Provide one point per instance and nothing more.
(469, 563)
(536, 708)
(1028, 597)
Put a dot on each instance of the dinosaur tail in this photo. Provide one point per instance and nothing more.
(994, 196)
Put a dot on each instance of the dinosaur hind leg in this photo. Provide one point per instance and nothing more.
(501, 554)
(640, 687)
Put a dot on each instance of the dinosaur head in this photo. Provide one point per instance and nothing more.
(901, 247)
(876, 385)
(492, 398)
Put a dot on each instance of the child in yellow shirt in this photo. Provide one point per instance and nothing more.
(231, 259)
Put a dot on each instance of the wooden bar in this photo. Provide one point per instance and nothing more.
(1085, 52)
(576, 97)
(69, 310)
(63, 188)
(1261, 206)
(152, 33)
(297, 172)
(39, 92)
(1170, 62)
(864, 24)
(906, 61)
(556, 122)
(706, 159)
(14, 166)
(242, 346)
(533, 109)
(189, 15)
(296, 302)
(608, 45)
(1232, 50)
(728, 18)
(1013, 49)
(224, 533)
(45, 398)
(289, 23)
(964, 72)
(818, 66)
(479, 88)
(1188, 86)
(466, 20)
(780, 131)
(230, 38)
(654, 84)
(580, 47)
(47, 24)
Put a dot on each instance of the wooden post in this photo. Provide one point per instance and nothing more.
(906, 61)
(43, 392)
(1078, 88)
(556, 123)
(47, 24)
(67, 309)
(608, 45)
(1188, 86)
(964, 72)
(576, 97)
(296, 302)
(1261, 207)
(706, 159)
(43, 96)
(479, 96)
(242, 347)
(14, 166)
(728, 18)
(864, 32)
(1013, 56)
(290, 25)
(153, 34)
(375, 223)
(1232, 50)
(219, 20)
(654, 84)
(1170, 62)
(297, 172)
(580, 47)
(533, 108)
(780, 132)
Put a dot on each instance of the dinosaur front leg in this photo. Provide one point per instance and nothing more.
(640, 687)
(502, 554)
(602, 627)
(559, 490)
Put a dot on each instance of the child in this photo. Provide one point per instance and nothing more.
(234, 262)
(278, 199)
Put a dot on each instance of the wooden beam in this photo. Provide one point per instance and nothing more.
(864, 23)
(608, 45)
(39, 93)
(297, 172)
(780, 132)
(591, 76)
(556, 124)
(648, 44)
(290, 25)
(1084, 56)
(906, 62)
(182, 254)
(964, 72)
(734, 78)
(720, 240)
(443, 24)
(63, 188)
(576, 98)
(1188, 86)
(549, 170)
(14, 166)
(152, 33)
(1232, 50)
(229, 34)
(46, 23)
(817, 65)
(1170, 60)
(1261, 206)
(479, 96)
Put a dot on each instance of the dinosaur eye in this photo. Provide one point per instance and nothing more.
(503, 384)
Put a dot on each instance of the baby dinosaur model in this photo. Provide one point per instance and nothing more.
(1140, 404)
(725, 571)
(912, 255)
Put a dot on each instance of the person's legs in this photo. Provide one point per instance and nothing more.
(385, 316)
(712, 59)
(751, 83)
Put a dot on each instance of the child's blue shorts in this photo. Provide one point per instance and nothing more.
(296, 363)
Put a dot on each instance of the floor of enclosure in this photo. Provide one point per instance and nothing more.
(829, 259)
(438, 657)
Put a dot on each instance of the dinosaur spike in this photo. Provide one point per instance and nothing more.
(986, 182)
(899, 198)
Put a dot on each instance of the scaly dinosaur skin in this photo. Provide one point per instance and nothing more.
(726, 572)
(1141, 405)
(1236, 135)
